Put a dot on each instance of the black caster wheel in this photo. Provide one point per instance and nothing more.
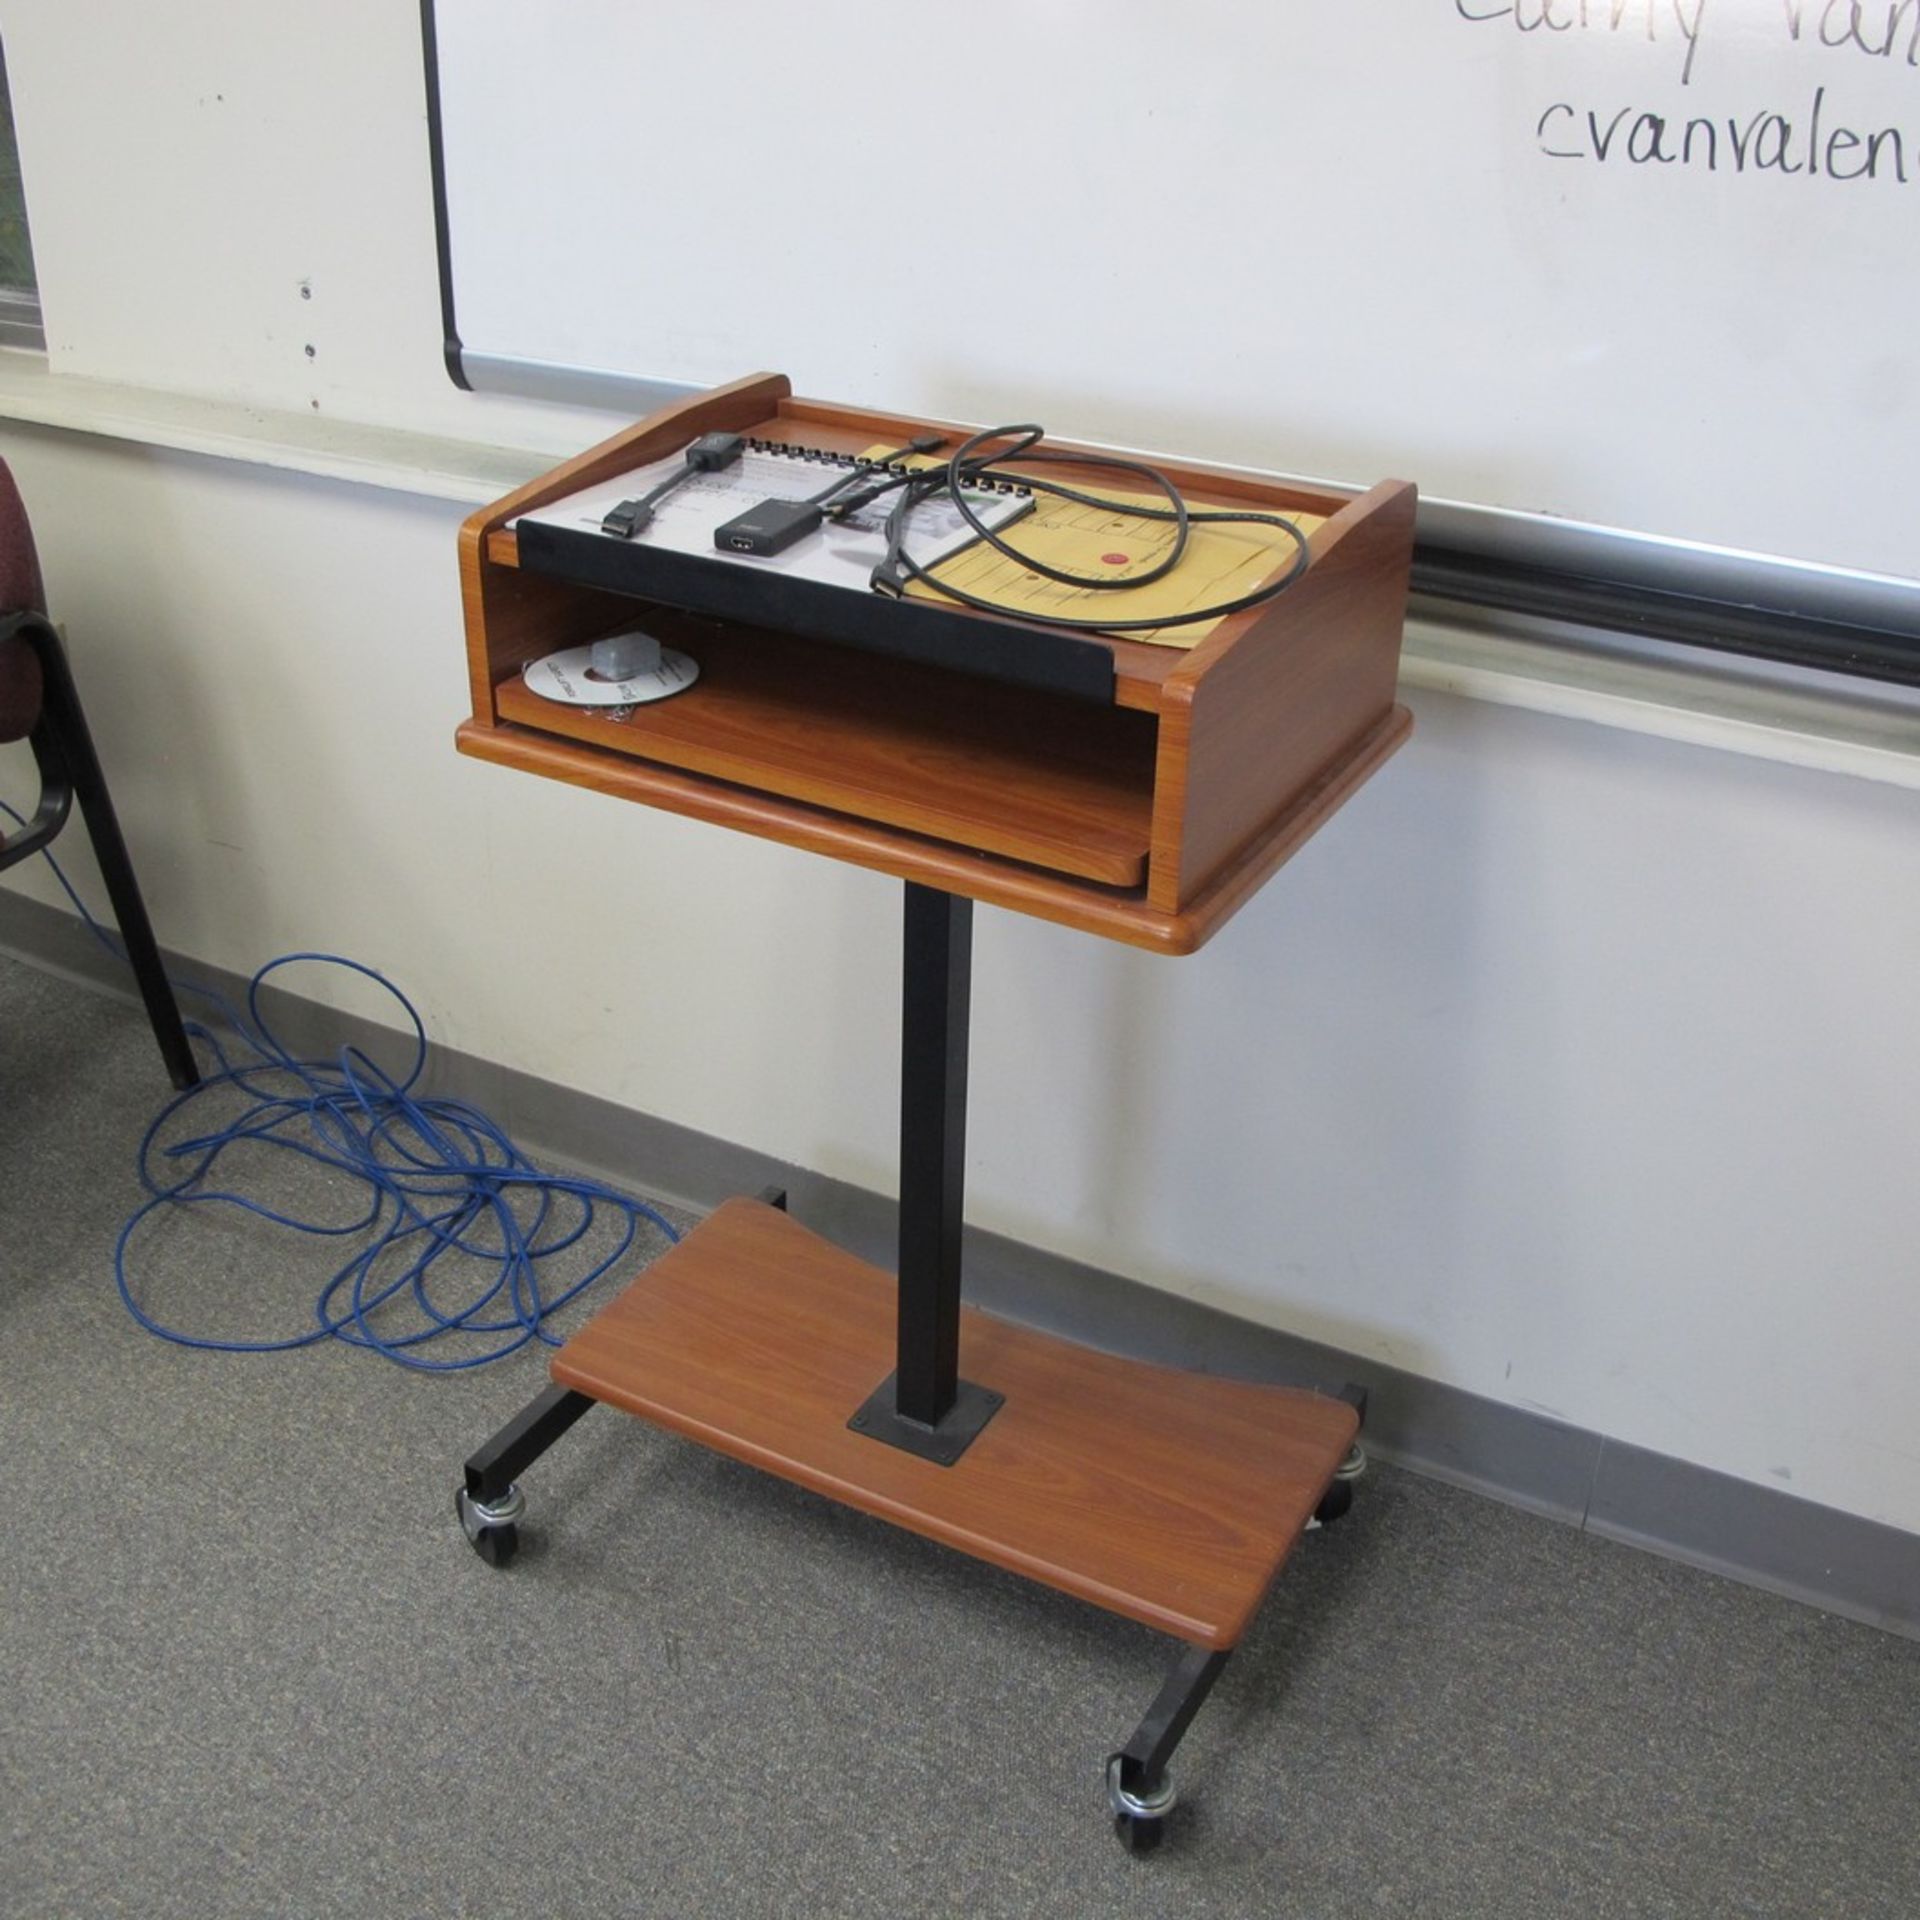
(1339, 1494)
(1334, 1503)
(490, 1525)
(1139, 1812)
(497, 1545)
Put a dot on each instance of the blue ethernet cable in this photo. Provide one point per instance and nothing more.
(457, 1220)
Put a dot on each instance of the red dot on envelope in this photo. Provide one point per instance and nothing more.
(1114, 559)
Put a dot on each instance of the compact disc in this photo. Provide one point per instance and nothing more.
(569, 677)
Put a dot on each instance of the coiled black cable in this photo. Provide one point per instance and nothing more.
(969, 470)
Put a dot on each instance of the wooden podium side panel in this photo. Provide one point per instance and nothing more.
(1250, 725)
(514, 617)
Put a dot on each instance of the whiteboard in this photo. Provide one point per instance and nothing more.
(1646, 266)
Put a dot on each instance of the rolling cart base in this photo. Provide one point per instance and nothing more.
(1169, 1497)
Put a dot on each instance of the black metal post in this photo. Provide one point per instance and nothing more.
(935, 1002)
(924, 1406)
(1143, 1760)
(1138, 1789)
(523, 1440)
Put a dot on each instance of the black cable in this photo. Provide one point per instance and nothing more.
(711, 453)
(678, 477)
(967, 470)
(1028, 449)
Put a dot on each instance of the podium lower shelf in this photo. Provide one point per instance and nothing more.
(1172, 1498)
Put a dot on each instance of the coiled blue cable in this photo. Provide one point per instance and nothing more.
(453, 1206)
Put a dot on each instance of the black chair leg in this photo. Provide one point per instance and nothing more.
(66, 724)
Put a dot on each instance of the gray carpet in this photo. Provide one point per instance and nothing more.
(249, 1665)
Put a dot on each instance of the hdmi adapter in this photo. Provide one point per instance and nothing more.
(774, 525)
(770, 528)
(709, 454)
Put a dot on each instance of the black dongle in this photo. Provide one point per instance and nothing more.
(712, 451)
(625, 520)
(771, 527)
(709, 454)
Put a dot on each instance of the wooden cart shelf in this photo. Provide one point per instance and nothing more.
(891, 742)
(1172, 1498)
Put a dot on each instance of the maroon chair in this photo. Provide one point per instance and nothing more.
(39, 704)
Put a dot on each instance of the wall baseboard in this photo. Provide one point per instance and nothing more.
(1854, 1567)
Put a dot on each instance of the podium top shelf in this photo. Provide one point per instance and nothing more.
(1216, 761)
(1140, 669)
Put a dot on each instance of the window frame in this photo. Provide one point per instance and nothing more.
(20, 321)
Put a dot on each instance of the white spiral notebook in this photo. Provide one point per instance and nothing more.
(842, 554)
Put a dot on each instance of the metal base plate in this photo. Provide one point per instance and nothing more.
(972, 1408)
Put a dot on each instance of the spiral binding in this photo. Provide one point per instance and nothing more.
(824, 457)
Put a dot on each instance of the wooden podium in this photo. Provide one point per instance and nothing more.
(1134, 791)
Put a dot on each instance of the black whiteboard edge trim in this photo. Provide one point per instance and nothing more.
(1843, 1563)
(1751, 627)
(1726, 599)
(442, 229)
(1737, 575)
